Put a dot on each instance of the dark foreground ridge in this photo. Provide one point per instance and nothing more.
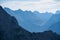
(10, 30)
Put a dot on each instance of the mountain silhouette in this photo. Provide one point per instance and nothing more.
(10, 30)
(35, 21)
(26, 19)
(44, 16)
(58, 12)
(29, 20)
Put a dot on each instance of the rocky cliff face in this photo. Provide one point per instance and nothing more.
(10, 30)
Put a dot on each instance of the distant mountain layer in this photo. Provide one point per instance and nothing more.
(54, 20)
(55, 27)
(10, 30)
(35, 21)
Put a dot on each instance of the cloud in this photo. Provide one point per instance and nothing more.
(2, 1)
(41, 6)
(57, 0)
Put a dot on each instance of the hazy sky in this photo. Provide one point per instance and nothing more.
(34, 5)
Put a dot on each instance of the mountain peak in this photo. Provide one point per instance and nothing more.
(36, 12)
(58, 12)
(19, 10)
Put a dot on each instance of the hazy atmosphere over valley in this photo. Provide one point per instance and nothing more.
(29, 19)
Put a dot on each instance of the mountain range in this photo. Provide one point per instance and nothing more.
(11, 30)
(35, 21)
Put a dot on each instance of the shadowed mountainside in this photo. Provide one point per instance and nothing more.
(9, 28)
